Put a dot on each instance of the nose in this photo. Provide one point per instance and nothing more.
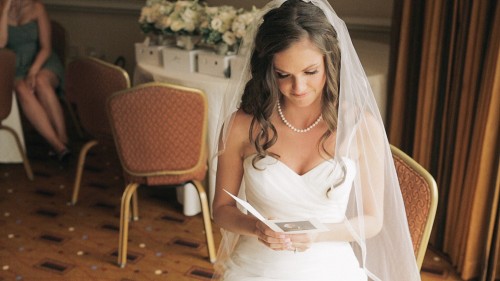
(299, 85)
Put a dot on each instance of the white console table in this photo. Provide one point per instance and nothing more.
(373, 56)
(9, 153)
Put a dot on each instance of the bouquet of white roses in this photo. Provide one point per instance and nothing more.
(166, 17)
(216, 25)
(151, 14)
(185, 18)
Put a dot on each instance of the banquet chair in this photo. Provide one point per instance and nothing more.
(7, 73)
(60, 46)
(89, 83)
(59, 40)
(160, 135)
(420, 196)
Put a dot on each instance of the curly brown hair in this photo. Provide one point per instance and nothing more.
(282, 27)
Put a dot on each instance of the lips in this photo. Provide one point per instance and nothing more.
(299, 94)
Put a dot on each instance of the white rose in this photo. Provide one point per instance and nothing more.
(229, 38)
(189, 15)
(181, 5)
(216, 23)
(239, 29)
(248, 18)
(204, 24)
(177, 25)
(166, 9)
(145, 12)
(189, 26)
(164, 22)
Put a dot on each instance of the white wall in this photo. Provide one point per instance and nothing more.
(109, 28)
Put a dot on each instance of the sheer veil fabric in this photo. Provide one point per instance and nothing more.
(384, 253)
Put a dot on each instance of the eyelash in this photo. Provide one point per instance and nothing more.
(283, 76)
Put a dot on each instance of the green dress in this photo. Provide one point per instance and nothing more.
(24, 41)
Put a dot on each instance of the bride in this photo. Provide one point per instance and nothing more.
(301, 137)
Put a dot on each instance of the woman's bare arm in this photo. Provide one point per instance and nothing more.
(4, 18)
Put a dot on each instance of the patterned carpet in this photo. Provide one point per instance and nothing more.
(42, 237)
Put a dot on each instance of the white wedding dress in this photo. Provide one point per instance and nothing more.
(278, 192)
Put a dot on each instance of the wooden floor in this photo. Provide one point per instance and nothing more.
(44, 238)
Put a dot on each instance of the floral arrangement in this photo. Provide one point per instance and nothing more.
(171, 18)
(217, 26)
(224, 25)
(151, 14)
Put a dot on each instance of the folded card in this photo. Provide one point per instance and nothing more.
(289, 225)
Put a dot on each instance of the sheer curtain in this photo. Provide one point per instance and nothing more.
(444, 111)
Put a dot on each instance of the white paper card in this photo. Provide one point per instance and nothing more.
(291, 225)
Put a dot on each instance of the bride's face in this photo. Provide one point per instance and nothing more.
(300, 72)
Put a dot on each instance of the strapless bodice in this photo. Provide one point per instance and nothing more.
(276, 191)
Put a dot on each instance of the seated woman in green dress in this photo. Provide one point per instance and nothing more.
(25, 29)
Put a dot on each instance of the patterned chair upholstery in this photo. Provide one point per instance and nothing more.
(160, 135)
(420, 196)
(89, 83)
(7, 73)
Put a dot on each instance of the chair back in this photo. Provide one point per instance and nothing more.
(89, 83)
(420, 196)
(7, 74)
(160, 132)
(59, 40)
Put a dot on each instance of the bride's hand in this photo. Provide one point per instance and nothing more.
(302, 242)
(275, 240)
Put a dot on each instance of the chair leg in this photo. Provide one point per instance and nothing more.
(206, 221)
(79, 169)
(73, 116)
(135, 207)
(26, 163)
(124, 219)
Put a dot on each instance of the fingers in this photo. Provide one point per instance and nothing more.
(30, 81)
(274, 240)
(280, 241)
(302, 242)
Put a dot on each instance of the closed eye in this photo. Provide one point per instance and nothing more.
(282, 75)
(311, 72)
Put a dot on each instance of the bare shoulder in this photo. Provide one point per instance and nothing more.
(242, 120)
(238, 133)
(38, 9)
(240, 126)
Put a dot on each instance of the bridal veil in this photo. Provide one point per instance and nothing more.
(375, 197)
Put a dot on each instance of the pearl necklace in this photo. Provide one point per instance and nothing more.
(292, 127)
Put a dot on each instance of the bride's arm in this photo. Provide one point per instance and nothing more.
(229, 177)
(369, 183)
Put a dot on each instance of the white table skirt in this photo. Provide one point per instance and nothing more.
(9, 152)
(373, 56)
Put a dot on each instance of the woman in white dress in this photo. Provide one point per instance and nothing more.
(301, 137)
